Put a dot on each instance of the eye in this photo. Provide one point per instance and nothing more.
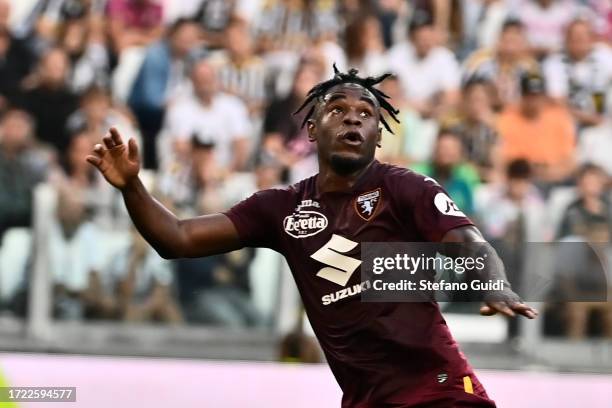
(365, 114)
(336, 110)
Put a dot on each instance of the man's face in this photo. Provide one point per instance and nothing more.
(512, 43)
(185, 39)
(238, 41)
(54, 67)
(477, 103)
(204, 80)
(579, 41)
(592, 184)
(424, 39)
(346, 128)
(448, 152)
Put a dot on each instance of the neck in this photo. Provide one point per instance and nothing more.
(328, 180)
(205, 99)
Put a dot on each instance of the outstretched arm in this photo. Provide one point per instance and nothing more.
(506, 302)
(171, 237)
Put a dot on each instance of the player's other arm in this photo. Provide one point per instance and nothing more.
(506, 302)
(171, 237)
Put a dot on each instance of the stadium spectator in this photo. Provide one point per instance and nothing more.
(364, 46)
(284, 138)
(540, 132)
(161, 80)
(143, 283)
(75, 263)
(51, 15)
(449, 168)
(476, 123)
(16, 59)
(22, 166)
(96, 114)
(75, 257)
(429, 73)
(48, 99)
(482, 23)
(392, 16)
(290, 25)
(241, 72)
(504, 64)
(215, 118)
(581, 74)
(587, 219)
(87, 53)
(72, 177)
(545, 21)
(413, 139)
(215, 17)
(590, 215)
(133, 23)
(510, 212)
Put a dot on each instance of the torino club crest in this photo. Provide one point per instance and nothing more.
(367, 203)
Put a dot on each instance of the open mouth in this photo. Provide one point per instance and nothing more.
(352, 137)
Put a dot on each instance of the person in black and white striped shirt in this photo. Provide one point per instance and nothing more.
(240, 71)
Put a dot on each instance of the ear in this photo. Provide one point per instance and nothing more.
(379, 138)
(310, 126)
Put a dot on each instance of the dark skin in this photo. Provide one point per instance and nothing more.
(345, 127)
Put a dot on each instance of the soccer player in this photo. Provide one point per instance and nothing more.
(382, 354)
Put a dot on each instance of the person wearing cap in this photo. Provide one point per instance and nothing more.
(538, 131)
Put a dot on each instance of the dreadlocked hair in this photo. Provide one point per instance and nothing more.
(318, 91)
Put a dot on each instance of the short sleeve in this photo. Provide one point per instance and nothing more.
(255, 219)
(435, 213)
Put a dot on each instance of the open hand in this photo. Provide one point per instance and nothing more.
(119, 163)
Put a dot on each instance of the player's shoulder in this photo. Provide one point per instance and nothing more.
(286, 194)
(405, 177)
(406, 186)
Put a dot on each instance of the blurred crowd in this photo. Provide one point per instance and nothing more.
(505, 102)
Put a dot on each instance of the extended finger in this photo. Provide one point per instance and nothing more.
(95, 160)
(502, 307)
(108, 142)
(132, 149)
(115, 136)
(524, 310)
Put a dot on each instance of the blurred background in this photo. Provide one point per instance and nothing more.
(507, 103)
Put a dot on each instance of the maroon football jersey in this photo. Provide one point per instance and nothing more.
(382, 354)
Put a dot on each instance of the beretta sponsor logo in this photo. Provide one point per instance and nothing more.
(305, 223)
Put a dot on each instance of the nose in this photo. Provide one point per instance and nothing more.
(352, 118)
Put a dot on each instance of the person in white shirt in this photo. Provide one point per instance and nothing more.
(429, 73)
(214, 118)
(581, 74)
(545, 21)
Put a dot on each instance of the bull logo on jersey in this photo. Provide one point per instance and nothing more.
(305, 223)
(367, 203)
